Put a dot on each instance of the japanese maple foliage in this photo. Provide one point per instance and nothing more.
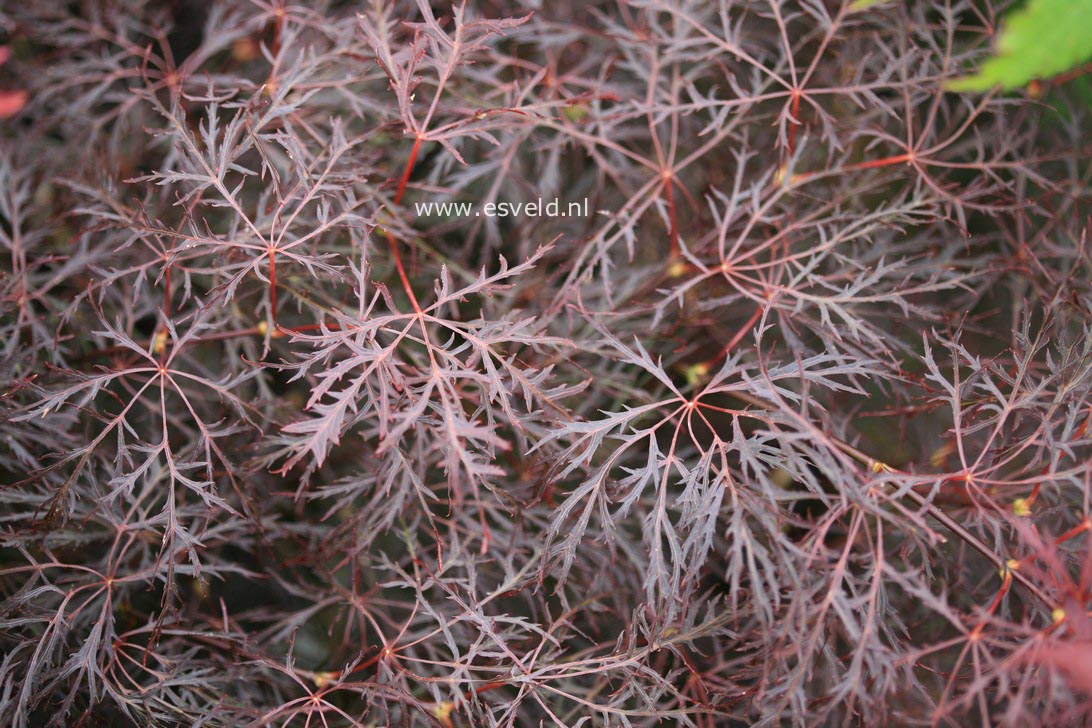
(791, 429)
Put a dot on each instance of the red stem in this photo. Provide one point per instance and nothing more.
(737, 338)
(167, 290)
(870, 164)
(885, 162)
(796, 120)
(278, 28)
(273, 286)
(390, 237)
(672, 215)
(166, 312)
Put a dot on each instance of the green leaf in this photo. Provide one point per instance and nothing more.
(1040, 40)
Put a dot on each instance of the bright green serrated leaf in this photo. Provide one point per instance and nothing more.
(1040, 40)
